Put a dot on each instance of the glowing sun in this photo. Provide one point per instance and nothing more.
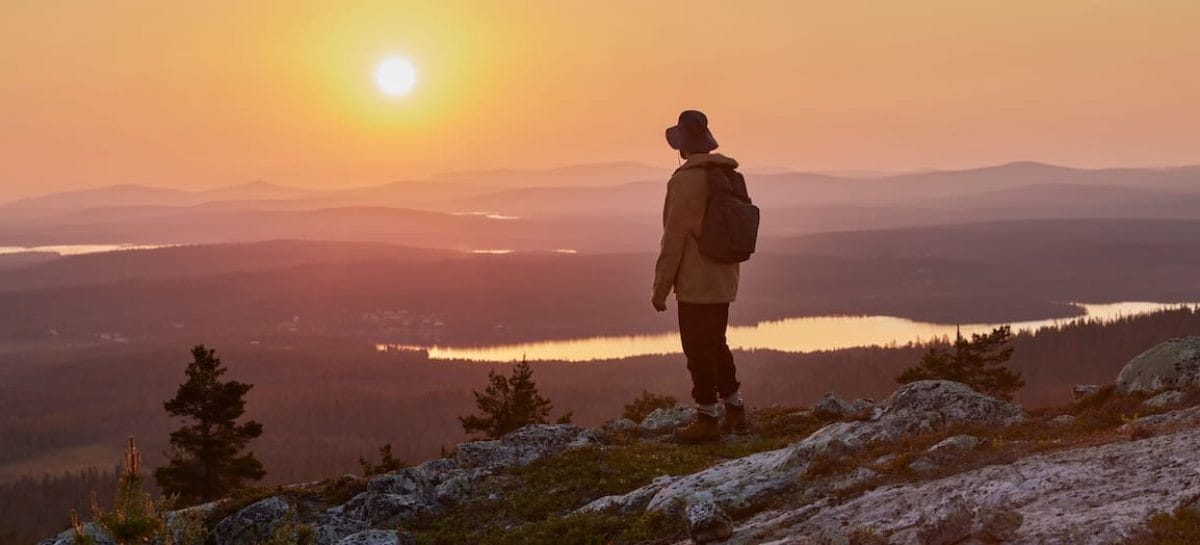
(395, 76)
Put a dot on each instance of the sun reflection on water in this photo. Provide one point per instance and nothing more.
(789, 335)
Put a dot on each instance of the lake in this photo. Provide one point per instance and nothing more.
(790, 335)
(79, 249)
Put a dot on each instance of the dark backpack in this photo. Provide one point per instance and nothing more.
(730, 230)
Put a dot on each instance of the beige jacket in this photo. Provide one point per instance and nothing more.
(680, 267)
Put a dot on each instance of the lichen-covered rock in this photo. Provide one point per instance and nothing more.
(378, 537)
(519, 448)
(1165, 399)
(1091, 496)
(1062, 419)
(460, 484)
(861, 405)
(707, 522)
(1172, 364)
(631, 502)
(665, 420)
(254, 523)
(914, 408)
(391, 509)
(331, 528)
(832, 405)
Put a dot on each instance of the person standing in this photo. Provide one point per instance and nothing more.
(704, 287)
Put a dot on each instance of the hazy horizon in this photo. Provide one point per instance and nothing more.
(461, 175)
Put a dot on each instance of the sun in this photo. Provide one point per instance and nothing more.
(395, 76)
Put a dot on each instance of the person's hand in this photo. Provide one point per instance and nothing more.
(659, 305)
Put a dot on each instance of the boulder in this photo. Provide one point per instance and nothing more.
(519, 448)
(832, 405)
(708, 523)
(663, 421)
(1172, 364)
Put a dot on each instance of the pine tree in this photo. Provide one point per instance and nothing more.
(206, 461)
(134, 518)
(641, 407)
(509, 404)
(978, 363)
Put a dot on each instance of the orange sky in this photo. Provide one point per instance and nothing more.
(200, 94)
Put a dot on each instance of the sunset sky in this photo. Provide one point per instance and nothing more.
(202, 94)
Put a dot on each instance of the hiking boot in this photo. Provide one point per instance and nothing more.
(735, 421)
(702, 430)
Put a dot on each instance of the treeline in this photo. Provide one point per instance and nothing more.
(34, 508)
(325, 404)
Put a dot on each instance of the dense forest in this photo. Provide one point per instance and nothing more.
(326, 403)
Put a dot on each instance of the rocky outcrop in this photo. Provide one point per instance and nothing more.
(832, 405)
(1094, 495)
(254, 523)
(430, 488)
(1172, 364)
(914, 408)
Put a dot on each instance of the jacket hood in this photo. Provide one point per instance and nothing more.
(708, 159)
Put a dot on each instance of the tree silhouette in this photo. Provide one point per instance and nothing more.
(978, 363)
(206, 461)
(509, 404)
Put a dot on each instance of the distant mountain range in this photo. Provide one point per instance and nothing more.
(616, 183)
(595, 208)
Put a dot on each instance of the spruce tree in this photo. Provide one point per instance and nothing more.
(509, 403)
(978, 363)
(206, 459)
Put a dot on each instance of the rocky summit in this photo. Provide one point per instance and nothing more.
(935, 463)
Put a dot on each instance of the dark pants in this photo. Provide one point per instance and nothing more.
(702, 332)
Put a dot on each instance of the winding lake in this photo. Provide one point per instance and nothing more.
(790, 335)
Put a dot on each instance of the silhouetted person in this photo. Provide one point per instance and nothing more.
(703, 286)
